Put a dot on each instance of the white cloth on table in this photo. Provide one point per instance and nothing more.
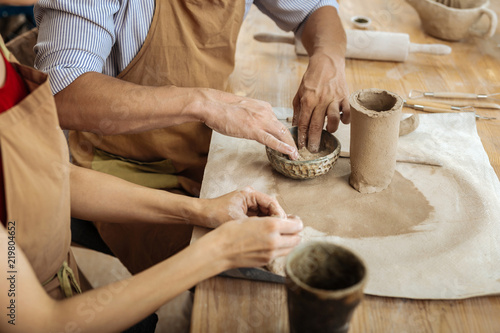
(438, 239)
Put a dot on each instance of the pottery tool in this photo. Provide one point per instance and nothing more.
(443, 98)
(368, 45)
(345, 154)
(415, 94)
(439, 108)
(481, 104)
(256, 274)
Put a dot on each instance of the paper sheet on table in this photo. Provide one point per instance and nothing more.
(434, 233)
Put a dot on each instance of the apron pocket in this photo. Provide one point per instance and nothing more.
(158, 174)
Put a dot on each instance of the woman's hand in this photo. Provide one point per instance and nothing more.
(252, 242)
(237, 205)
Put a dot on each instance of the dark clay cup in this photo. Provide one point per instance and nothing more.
(324, 284)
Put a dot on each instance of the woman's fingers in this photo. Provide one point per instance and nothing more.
(264, 203)
(256, 241)
(292, 225)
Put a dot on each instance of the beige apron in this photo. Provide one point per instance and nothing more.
(191, 43)
(36, 174)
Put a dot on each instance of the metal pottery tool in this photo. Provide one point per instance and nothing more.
(415, 94)
(345, 154)
(440, 108)
(255, 274)
(368, 45)
(465, 99)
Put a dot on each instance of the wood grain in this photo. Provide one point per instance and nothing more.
(272, 72)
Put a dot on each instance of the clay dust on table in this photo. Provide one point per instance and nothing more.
(345, 212)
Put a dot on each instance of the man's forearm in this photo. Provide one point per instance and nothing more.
(323, 32)
(102, 197)
(105, 105)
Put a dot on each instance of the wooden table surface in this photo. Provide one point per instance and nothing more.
(272, 72)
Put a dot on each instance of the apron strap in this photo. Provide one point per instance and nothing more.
(67, 280)
(4, 49)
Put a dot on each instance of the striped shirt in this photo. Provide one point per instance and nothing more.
(114, 31)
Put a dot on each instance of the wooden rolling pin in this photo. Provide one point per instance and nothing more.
(368, 45)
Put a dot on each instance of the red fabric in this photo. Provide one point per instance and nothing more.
(12, 92)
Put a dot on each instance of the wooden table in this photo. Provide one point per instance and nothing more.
(272, 72)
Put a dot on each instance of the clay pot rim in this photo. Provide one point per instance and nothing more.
(440, 5)
(354, 101)
(333, 155)
(328, 294)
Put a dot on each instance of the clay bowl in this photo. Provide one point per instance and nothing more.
(306, 169)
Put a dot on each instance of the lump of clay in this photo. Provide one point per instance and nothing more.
(306, 155)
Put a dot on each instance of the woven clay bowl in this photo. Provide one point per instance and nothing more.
(306, 169)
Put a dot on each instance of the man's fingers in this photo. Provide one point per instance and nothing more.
(346, 111)
(283, 134)
(296, 110)
(315, 129)
(303, 126)
(284, 148)
(333, 116)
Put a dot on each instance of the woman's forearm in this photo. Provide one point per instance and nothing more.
(97, 196)
(133, 299)
(111, 308)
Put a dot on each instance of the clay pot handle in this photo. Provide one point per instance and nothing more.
(493, 22)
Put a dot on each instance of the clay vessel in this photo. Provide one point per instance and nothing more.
(306, 169)
(454, 20)
(324, 284)
(375, 125)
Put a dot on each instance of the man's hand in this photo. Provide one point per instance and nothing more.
(323, 91)
(247, 118)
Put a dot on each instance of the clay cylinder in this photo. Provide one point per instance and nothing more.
(375, 118)
(324, 284)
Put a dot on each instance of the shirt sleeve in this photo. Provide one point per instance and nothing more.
(291, 15)
(74, 38)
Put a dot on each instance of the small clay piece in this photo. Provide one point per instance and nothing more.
(324, 284)
(307, 167)
(409, 124)
(375, 118)
(453, 20)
